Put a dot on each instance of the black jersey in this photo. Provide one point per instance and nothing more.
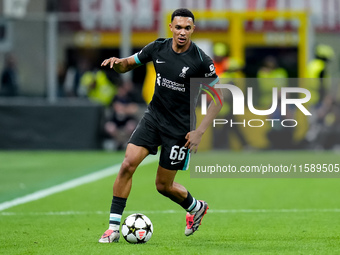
(170, 105)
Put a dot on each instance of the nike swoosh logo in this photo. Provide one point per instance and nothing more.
(159, 62)
(174, 163)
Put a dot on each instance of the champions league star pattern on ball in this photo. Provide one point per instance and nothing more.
(137, 228)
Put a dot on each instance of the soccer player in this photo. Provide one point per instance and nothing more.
(166, 122)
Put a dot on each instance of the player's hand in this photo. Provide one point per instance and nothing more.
(194, 138)
(114, 62)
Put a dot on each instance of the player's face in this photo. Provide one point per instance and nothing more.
(182, 28)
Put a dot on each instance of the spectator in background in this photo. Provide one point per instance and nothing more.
(9, 83)
(322, 102)
(226, 66)
(270, 75)
(72, 77)
(228, 70)
(97, 87)
(124, 116)
(220, 58)
(281, 138)
(317, 69)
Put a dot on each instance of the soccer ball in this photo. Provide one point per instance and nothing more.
(137, 228)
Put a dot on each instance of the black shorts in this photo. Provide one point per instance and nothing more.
(174, 156)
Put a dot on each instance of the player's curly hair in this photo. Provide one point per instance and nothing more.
(182, 12)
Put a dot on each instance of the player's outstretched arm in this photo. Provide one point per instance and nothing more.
(120, 65)
(194, 137)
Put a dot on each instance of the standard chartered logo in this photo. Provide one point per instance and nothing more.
(166, 81)
(169, 84)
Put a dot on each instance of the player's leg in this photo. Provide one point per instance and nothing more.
(145, 140)
(166, 185)
(121, 189)
(134, 155)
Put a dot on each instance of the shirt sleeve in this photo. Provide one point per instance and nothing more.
(145, 55)
(208, 70)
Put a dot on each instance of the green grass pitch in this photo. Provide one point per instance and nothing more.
(246, 216)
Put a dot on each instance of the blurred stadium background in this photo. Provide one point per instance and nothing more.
(62, 99)
(60, 113)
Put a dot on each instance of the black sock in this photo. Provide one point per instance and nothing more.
(116, 211)
(189, 202)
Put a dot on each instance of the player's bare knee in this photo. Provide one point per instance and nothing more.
(163, 189)
(127, 168)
